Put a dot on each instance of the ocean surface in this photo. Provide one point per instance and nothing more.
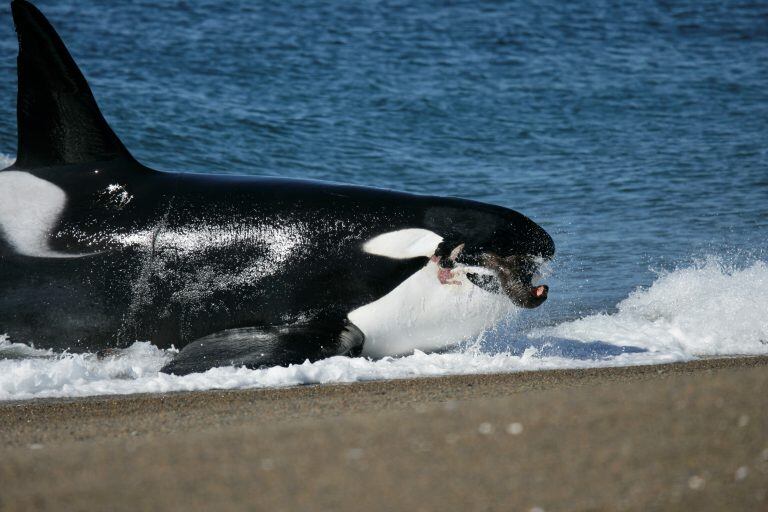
(636, 133)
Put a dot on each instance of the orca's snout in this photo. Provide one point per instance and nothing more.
(513, 255)
(500, 249)
(538, 296)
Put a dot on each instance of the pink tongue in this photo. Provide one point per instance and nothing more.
(539, 291)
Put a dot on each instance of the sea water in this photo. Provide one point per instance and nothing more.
(635, 133)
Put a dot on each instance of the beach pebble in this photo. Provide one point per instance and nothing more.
(696, 482)
(354, 454)
(485, 428)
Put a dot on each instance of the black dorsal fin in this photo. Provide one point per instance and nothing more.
(59, 122)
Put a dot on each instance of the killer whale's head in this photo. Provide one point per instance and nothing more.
(498, 249)
(480, 264)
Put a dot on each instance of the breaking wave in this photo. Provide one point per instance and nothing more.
(707, 309)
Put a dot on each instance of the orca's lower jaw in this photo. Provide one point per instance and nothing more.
(512, 276)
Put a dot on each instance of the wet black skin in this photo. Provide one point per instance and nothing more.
(122, 293)
(278, 263)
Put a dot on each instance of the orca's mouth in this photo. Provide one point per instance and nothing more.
(512, 276)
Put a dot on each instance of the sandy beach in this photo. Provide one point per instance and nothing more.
(690, 436)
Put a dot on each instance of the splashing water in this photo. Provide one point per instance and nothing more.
(703, 310)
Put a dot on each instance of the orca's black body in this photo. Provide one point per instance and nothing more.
(260, 271)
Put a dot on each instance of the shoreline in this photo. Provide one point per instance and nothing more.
(634, 370)
(677, 436)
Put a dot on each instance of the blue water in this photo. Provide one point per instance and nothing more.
(635, 132)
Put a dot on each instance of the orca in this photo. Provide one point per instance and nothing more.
(98, 251)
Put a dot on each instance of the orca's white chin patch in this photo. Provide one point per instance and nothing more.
(424, 314)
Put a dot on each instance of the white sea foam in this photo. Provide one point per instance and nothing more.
(706, 309)
(137, 371)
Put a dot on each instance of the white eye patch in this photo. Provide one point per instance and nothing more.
(404, 243)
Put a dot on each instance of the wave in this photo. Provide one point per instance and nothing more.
(706, 309)
(137, 371)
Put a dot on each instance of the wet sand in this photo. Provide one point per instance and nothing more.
(690, 436)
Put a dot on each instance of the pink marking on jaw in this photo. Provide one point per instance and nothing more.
(446, 276)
